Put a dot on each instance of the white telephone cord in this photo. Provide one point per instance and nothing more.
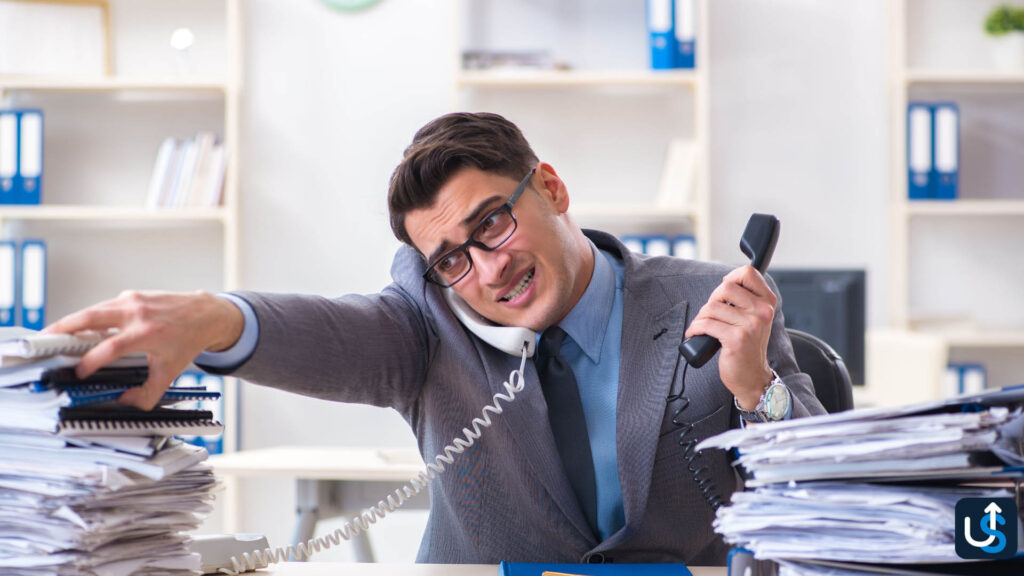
(361, 523)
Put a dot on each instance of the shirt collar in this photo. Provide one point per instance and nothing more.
(587, 322)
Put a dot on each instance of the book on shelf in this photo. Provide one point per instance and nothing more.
(188, 173)
(678, 175)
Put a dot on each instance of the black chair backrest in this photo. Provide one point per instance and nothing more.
(832, 384)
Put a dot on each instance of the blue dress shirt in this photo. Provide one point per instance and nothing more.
(246, 345)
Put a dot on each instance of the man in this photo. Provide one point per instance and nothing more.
(592, 471)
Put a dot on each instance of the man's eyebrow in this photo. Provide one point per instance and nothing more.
(470, 220)
(437, 253)
(479, 211)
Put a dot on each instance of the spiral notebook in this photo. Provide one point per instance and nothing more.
(128, 421)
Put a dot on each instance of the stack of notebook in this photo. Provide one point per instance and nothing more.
(835, 493)
(88, 486)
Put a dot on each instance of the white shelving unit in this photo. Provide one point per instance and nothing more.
(965, 232)
(100, 141)
(606, 121)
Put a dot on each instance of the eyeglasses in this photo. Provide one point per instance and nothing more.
(494, 230)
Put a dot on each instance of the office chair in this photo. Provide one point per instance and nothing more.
(832, 384)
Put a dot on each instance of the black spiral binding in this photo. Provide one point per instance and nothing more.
(699, 473)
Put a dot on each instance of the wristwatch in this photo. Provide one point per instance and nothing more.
(775, 404)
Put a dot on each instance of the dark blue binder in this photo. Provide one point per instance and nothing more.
(33, 284)
(920, 150)
(8, 282)
(946, 150)
(30, 157)
(21, 156)
(8, 155)
(685, 24)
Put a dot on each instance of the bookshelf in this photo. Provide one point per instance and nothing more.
(951, 260)
(101, 135)
(605, 120)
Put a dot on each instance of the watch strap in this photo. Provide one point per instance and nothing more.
(760, 412)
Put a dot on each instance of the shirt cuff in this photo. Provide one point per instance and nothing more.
(241, 351)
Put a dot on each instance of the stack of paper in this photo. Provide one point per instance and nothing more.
(870, 486)
(88, 487)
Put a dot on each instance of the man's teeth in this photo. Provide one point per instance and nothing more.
(520, 288)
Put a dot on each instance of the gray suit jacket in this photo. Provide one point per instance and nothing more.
(507, 497)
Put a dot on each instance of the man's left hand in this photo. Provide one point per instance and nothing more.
(739, 314)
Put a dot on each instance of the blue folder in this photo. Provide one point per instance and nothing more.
(685, 24)
(920, 150)
(946, 150)
(21, 156)
(661, 31)
(30, 157)
(81, 397)
(538, 568)
(8, 282)
(33, 284)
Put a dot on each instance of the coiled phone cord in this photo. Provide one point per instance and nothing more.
(361, 523)
(707, 487)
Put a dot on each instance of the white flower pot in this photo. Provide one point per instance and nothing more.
(1008, 52)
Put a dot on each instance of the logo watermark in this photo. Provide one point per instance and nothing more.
(986, 528)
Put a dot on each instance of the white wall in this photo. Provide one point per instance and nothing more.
(331, 100)
(798, 128)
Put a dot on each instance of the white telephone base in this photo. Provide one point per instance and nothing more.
(216, 550)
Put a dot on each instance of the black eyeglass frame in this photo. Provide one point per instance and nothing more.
(435, 277)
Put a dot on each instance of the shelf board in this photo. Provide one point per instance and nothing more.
(985, 338)
(965, 207)
(112, 84)
(81, 213)
(626, 211)
(918, 76)
(554, 78)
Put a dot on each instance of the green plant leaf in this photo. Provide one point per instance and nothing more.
(1004, 19)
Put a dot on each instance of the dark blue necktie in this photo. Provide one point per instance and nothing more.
(565, 412)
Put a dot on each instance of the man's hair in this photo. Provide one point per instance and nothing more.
(484, 141)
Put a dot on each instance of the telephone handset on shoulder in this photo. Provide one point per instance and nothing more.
(757, 243)
(508, 339)
(233, 554)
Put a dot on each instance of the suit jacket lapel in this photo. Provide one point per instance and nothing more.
(651, 333)
(527, 423)
(656, 310)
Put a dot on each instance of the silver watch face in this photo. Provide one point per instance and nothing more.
(776, 401)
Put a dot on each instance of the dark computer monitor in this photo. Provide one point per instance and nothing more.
(830, 305)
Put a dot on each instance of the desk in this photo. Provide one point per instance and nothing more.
(329, 482)
(342, 569)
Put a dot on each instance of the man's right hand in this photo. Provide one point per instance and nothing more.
(171, 328)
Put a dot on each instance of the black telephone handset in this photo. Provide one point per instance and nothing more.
(757, 243)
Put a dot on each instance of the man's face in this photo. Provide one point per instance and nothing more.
(534, 278)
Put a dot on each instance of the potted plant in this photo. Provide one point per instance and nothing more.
(1005, 24)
